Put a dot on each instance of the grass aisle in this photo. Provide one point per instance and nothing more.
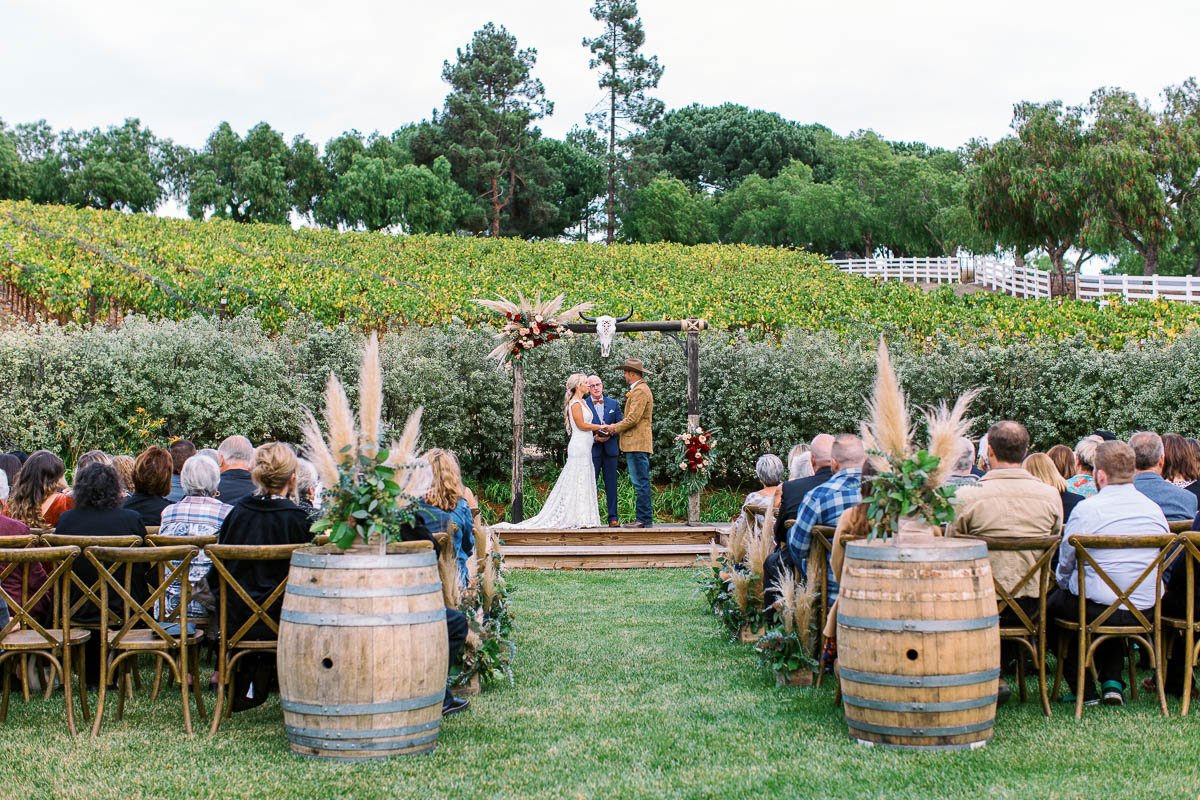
(624, 689)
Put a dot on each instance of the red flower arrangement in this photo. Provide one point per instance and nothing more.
(695, 451)
(529, 324)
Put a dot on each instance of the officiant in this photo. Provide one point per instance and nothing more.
(605, 451)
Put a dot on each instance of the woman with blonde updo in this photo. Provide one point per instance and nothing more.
(446, 502)
(266, 517)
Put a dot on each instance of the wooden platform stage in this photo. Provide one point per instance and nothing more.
(666, 545)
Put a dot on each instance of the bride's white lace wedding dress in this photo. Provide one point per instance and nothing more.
(572, 501)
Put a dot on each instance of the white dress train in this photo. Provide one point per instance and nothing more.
(572, 501)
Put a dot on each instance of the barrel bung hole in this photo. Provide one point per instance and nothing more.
(912, 655)
(327, 663)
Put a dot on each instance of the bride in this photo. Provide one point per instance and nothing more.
(572, 501)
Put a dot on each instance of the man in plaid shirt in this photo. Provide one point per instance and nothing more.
(825, 504)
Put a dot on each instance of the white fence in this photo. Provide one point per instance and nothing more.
(1025, 282)
(924, 270)
(1011, 279)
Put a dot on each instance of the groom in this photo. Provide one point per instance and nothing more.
(637, 440)
(605, 411)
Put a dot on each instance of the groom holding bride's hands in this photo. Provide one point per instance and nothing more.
(636, 441)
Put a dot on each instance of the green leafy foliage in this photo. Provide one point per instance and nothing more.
(368, 503)
(905, 491)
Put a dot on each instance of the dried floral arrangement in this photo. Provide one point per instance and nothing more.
(529, 324)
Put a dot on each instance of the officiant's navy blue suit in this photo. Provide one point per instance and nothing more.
(606, 454)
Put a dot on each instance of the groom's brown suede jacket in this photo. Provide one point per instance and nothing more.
(636, 429)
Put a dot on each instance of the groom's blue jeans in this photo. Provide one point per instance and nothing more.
(639, 476)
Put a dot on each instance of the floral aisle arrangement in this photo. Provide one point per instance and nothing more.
(695, 451)
(530, 324)
(786, 648)
(491, 646)
(370, 490)
(732, 581)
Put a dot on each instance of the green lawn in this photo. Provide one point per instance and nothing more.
(624, 689)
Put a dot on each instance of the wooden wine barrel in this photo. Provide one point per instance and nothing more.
(363, 652)
(918, 644)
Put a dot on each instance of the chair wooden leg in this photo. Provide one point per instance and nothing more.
(1160, 676)
(124, 688)
(1080, 673)
(197, 690)
(81, 684)
(7, 667)
(1132, 659)
(1022, 693)
(47, 677)
(1058, 665)
(25, 678)
(183, 690)
(1190, 651)
(104, 678)
(158, 670)
(66, 682)
(220, 707)
(820, 662)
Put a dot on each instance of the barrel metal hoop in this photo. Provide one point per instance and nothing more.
(362, 620)
(916, 554)
(927, 681)
(325, 561)
(366, 756)
(924, 748)
(359, 746)
(907, 707)
(358, 709)
(340, 734)
(387, 591)
(919, 625)
(900, 730)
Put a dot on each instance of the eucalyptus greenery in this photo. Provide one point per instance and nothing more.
(367, 503)
(906, 490)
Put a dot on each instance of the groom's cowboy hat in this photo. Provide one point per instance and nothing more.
(633, 365)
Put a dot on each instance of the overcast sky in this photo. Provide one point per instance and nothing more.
(938, 72)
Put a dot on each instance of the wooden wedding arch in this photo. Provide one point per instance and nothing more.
(691, 347)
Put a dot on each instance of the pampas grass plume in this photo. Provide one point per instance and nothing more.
(946, 427)
(785, 584)
(340, 419)
(888, 426)
(370, 397)
(803, 602)
(741, 590)
(318, 451)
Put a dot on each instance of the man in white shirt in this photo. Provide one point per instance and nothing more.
(1118, 508)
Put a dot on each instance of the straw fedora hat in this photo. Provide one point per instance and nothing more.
(633, 365)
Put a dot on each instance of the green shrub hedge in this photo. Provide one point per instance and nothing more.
(70, 388)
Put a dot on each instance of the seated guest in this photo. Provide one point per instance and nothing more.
(962, 472)
(263, 518)
(1180, 465)
(1040, 466)
(151, 485)
(199, 513)
(853, 525)
(792, 492)
(38, 496)
(209, 453)
(235, 457)
(1083, 482)
(445, 503)
(769, 470)
(92, 457)
(181, 451)
(981, 464)
(1063, 459)
(124, 467)
(825, 505)
(13, 584)
(10, 465)
(1009, 502)
(800, 462)
(98, 512)
(1117, 508)
(1177, 504)
(308, 489)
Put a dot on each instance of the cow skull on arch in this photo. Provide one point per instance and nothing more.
(606, 329)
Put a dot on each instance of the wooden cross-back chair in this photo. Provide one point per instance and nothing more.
(31, 539)
(1188, 625)
(1142, 626)
(1180, 526)
(140, 632)
(25, 636)
(1026, 629)
(233, 645)
(164, 612)
(820, 551)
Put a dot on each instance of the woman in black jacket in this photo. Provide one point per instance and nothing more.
(151, 485)
(98, 512)
(266, 517)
